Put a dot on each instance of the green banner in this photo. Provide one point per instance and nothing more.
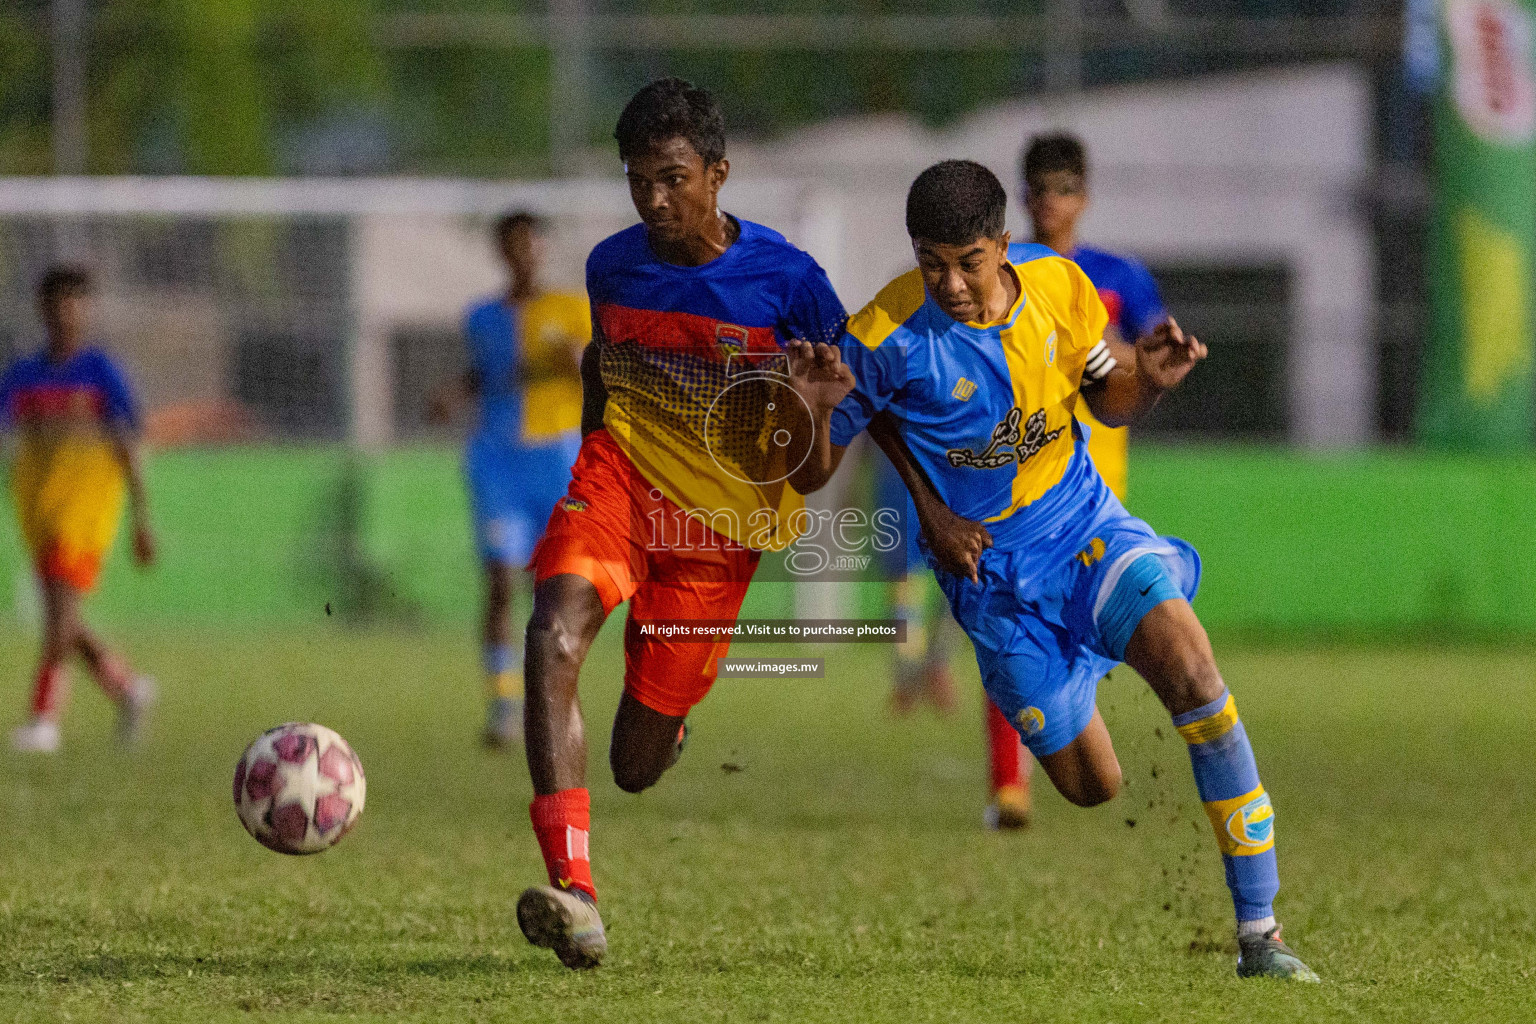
(1478, 369)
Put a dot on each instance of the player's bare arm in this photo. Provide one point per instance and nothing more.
(1157, 363)
(126, 446)
(821, 379)
(956, 542)
(594, 394)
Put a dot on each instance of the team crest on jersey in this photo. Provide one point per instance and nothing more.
(1009, 443)
(1252, 824)
(1090, 555)
(1030, 721)
(964, 389)
(573, 504)
(730, 338)
(1050, 350)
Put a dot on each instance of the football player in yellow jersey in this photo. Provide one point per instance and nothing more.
(77, 425)
(981, 356)
(1054, 175)
(524, 349)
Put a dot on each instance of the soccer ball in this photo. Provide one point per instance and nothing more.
(299, 788)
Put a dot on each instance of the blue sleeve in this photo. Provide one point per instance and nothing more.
(880, 374)
(1143, 309)
(474, 351)
(122, 406)
(815, 312)
(8, 384)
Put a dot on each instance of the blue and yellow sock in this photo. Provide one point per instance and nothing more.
(1239, 809)
(503, 671)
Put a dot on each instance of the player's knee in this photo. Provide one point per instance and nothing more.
(1192, 680)
(554, 640)
(632, 777)
(1099, 787)
(563, 625)
(1174, 655)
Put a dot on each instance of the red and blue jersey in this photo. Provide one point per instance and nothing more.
(1127, 289)
(84, 393)
(67, 479)
(692, 359)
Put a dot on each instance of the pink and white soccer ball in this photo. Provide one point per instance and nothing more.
(299, 788)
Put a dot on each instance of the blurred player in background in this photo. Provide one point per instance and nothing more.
(922, 662)
(524, 375)
(679, 485)
(77, 426)
(1054, 173)
(1061, 583)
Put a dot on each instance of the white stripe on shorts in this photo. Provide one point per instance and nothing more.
(1112, 577)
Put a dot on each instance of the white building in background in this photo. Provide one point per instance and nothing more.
(1255, 169)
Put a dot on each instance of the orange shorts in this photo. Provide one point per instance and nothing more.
(605, 531)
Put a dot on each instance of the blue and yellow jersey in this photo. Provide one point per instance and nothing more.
(67, 479)
(693, 363)
(986, 409)
(526, 359)
(1135, 307)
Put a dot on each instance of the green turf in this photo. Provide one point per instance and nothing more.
(839, 875)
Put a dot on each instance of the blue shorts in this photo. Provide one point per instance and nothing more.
(512, 491)
(1046, 634)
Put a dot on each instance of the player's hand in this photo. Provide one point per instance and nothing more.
(956, 542)
(1165, 356)
(819, 375)
(144, 547)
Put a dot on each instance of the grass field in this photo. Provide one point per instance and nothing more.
(839, 875)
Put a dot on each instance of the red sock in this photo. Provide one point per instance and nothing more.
(49, 690)
(1003, 750)
(561, 821)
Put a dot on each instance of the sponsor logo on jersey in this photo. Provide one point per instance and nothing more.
(1030, 721)
(1010, 442)
(1252, 824)
(573, 504)
(964, 389)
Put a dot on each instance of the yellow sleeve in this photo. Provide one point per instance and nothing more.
(1087, 309)
(892, 307)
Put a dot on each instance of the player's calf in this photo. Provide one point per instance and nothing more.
(1170, 650)
(567, 614)
(502, 660)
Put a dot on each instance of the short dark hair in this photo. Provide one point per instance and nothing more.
(670, 109)
(956, 202)
(1056, 151)
(514, 219)
(59, 280)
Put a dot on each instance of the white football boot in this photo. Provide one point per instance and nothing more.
(564, 921)
(133, 710)
(39, 736)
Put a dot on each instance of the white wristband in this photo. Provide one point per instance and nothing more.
(1100, 362)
